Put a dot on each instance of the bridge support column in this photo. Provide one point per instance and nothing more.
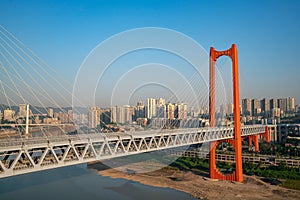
(266, 135)
(256, 149)
(237, 141)
(249, 141)
(254, 138)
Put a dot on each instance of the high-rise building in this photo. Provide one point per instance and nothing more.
(203, 110)
(265, 107)
(98, 115)
(70, 116)
(37, 119)
(255, 105)
(80, 118)
(105, 116)
(181, 111)
(290, 104)
(92, 117)
(50, 112)
(151, 108)
(160, 102)
(140, 110)
(161, 111)
(127, 114)
(115, 114)
(170, 109)
(122, 114)
(22, 110)
(246, 107)
(273, 104)
(62, 117)
(9, 114)
(282, 104)
(229, 109)
(275, 112)
(160, 108)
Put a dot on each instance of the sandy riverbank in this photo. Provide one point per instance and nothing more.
(201, 187)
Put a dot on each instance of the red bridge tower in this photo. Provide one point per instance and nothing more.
(236, 142)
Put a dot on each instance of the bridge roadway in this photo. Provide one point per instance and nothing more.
(19, 156)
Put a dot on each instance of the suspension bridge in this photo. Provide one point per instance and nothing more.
(20, 155)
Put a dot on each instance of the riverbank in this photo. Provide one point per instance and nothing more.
(200, 186)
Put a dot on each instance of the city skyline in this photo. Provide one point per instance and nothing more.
(263, 72)
(144, 102)
(100, 99)
(252, 111)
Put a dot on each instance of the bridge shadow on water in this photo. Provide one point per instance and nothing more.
(165, 166)
(81, 182)
(19, 182)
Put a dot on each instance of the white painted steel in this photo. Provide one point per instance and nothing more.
(19, 156)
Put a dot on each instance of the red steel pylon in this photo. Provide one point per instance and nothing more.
(236, 142)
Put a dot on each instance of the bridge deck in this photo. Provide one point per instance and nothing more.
(19, 156)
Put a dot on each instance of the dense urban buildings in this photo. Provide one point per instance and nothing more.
(270, 109)
(156, 110)
(17, 115)
(157, 113)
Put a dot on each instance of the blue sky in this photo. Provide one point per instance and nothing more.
(267, 33)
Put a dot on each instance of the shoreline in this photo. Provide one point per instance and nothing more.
(199, 186)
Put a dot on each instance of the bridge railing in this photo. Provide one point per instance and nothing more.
(245, 130)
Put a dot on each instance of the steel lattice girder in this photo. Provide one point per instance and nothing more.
(19, 156)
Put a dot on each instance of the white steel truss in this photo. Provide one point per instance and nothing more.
(19, 156)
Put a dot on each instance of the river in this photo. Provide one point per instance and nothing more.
(80, 182)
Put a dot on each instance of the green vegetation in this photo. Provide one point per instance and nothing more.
(279, 172)
(199, 165)
(225, 168)
(291, 176)
(291, 184)
(288, 149)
